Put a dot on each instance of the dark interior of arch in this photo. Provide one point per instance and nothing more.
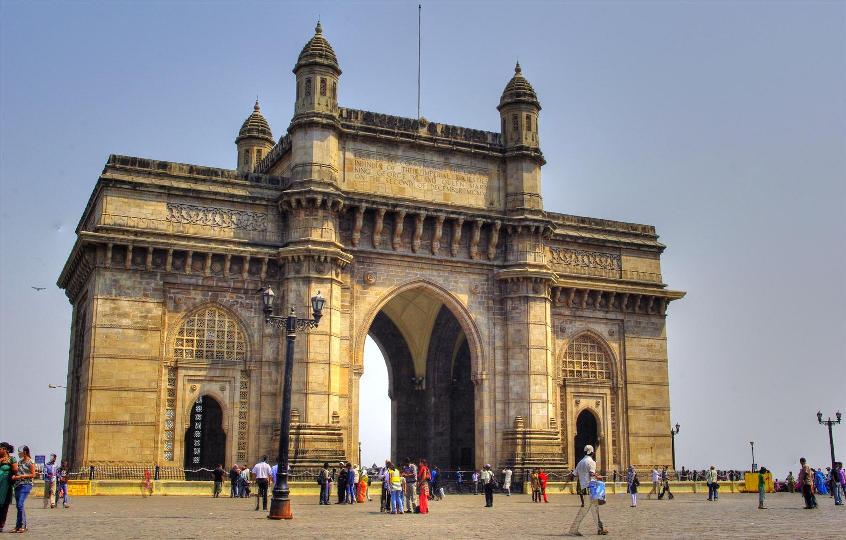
(586, 433)
(437, 422)
(204, 437)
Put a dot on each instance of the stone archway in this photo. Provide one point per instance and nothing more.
(587, 432)
(205, 439)
(430, 367)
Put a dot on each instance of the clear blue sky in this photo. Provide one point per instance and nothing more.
(723, 124)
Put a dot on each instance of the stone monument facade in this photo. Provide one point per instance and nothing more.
(513, 335)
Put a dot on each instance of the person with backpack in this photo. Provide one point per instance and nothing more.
(713, 486)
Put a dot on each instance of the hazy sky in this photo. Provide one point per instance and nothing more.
(723, 124)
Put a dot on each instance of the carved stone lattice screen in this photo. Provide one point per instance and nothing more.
(210, 335)
(586, 359)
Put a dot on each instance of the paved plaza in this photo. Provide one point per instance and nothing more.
(458, 516)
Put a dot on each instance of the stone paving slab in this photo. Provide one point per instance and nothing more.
(688, 516)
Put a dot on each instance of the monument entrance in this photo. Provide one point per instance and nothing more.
(511, 333)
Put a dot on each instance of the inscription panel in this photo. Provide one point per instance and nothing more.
(583, 262)
(421, 179)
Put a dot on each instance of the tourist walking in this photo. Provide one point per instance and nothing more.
(791, 482)
(543, 478)
(23, 485)
(343, 474)
(507, 473)
(656, 478)
(244, 482)
(711, 481)
(633, 483)
(630, 473)
(409, 475)
(437, 490)
(423, 479)
(586, 471)
(385, 477)
(8, 468)
(535, 484)
(147, 484)
(261, 471)
(396, 488)
(234, 475)
(217, 476)
(62, 484)
(325, 483)
(838, 481)
(806, 480)
(487, 480)
(49, 477)
(475, 480)
(762, 487)
(665, 485)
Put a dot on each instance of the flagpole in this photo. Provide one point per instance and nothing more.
(419, 10)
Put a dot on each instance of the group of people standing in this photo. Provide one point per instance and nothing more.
(16, 477)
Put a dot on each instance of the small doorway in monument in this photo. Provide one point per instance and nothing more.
(205, 440)
(587, 432)
(431, 397)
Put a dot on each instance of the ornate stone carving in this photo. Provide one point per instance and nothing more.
(418, 231)
(357, 224)
(399, 221)
(493, 240)
(370, 278)
(436, 236)
(456, 236)
(579, 261)
(377, 227)
(210, 216)
(474, 239)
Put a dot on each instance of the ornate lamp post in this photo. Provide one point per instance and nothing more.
(280, 504)
(673, 433)
(829, 423)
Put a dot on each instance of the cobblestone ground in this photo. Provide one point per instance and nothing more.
(456, 517)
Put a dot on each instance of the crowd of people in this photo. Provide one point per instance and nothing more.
(407, 487)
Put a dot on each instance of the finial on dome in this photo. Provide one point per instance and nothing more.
(256, 106)
(517, 69)
(318, 29)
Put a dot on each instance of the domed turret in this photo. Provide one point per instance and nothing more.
(318, 52)
(518, 107)
(518, 110)
(317, 74)
(254, 140)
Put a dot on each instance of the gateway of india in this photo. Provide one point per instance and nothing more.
(512, 335)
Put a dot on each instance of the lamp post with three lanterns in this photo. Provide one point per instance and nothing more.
(280, 504)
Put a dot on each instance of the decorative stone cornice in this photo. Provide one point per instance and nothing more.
(610, 298)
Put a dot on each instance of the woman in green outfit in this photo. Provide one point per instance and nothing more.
(762, 488)
(8, 467)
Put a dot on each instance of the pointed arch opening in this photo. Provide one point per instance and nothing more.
(205, 439)
(423, 336)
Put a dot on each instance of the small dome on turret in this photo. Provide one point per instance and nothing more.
(318, 52)
(256, 126)
(518, 90)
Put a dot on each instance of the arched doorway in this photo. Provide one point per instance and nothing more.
(587, 432)
(432, 396)
(205, 440)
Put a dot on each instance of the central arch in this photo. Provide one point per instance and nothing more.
(431, 350)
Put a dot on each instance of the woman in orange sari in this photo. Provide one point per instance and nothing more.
(423, 479)
(361, 495)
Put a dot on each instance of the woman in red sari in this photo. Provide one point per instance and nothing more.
(543, 478)
(423, 479)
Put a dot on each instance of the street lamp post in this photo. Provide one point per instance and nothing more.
(752, 444)
(830, 423)
(360, 464)
(280, 504)
(673, 433)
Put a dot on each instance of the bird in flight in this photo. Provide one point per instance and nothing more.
(38, 288)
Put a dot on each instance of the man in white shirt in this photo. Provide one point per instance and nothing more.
(586, 471)
(262, 472)
(506, 481)
(656, 479)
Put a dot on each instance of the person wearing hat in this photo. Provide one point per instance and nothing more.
(487, 479)
(586, 472)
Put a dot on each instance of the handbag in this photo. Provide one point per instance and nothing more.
(596, 489)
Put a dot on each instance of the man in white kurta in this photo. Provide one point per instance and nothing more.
(586, 471)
